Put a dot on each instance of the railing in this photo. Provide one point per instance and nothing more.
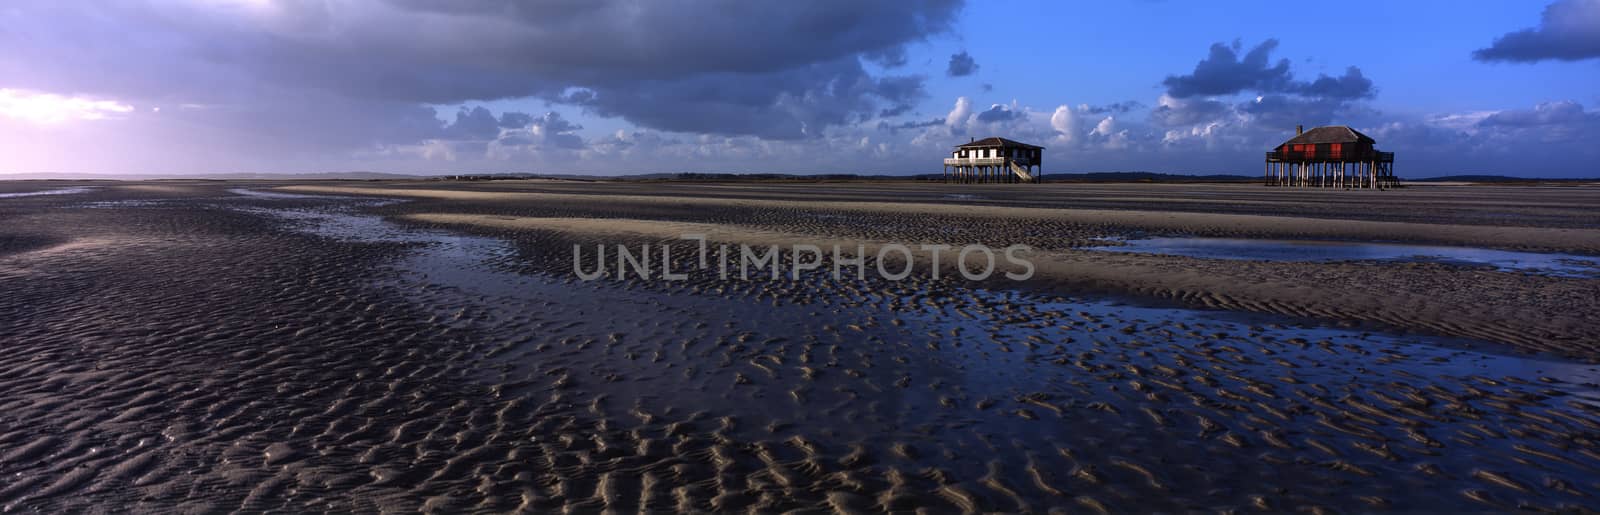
(1382, 157)
(974, 161)
(985, 161)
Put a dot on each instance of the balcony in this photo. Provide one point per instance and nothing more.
(1302, 157)
(983, 161)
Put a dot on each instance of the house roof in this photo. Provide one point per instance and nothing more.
(1330, 134)
(997, 142)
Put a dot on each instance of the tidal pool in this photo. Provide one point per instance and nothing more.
(1562, 265)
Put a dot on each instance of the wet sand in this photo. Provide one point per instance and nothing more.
(1529, 311)
(395, 346)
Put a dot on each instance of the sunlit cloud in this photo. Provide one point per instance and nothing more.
(50, 108)
(1459, 121)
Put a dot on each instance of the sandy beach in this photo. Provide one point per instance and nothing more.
(201, 346)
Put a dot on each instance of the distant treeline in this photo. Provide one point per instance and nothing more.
(1500, 179)
(1137, 177)
(1063, 177)
(835, 177)
(694, 176)
(1144, 177)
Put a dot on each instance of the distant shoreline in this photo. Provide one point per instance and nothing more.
(1064, 178)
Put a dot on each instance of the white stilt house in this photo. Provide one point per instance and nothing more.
(995, 160)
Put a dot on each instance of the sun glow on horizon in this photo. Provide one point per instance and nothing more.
(51, 109)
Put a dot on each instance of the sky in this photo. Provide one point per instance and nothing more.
(607, 87)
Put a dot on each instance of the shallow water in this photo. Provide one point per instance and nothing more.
(57, 191)
(472, 267)
(975, 382)
(1563, 265)
(262, 194)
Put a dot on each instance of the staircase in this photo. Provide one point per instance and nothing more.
(1021, 172)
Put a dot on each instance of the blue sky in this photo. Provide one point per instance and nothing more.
(618, 86)
(1419, 51)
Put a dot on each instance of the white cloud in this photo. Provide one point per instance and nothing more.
(959, 115)
(1106, 126)
(1119, 141)
(1064, 123)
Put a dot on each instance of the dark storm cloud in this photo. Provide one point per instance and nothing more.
(1207, 96)
(513, 119)
(961, 65)
(900, 93)
(476, 123)
(788, 104)
(893, 57)
(896, 127)
(548, 138)
(551, 130)
(1569, 30)
(606, 42)
(701, 66)
(524, 10)
(1224, 72)
(1115, 107)
(1351, 85)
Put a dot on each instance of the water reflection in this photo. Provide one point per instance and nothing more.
(57, 191)
(1561, 265)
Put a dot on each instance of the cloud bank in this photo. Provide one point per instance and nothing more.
(1569, 30)
(616, 86)
(367, 72)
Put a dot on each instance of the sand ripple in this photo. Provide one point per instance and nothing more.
(222, 358)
